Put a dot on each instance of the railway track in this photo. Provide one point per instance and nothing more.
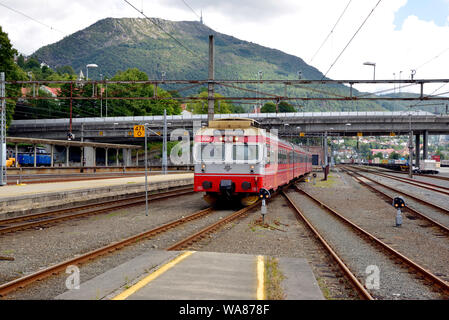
(390, 199)
(184, 243)
(437, 283)
(54, 216)
(60, 267)
(197, 236)
(419, 174)
(427, 203)
(353, 279)
(421, 184)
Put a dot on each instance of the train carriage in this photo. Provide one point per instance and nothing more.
(236, 159)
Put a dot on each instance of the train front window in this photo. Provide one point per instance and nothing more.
(245, 152)
(212, 152)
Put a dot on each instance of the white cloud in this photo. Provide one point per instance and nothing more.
(296, 27)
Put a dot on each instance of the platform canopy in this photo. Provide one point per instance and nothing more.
(71, 143)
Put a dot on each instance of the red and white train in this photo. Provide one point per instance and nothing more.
(235, 159)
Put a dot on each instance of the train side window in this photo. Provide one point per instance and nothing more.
(267, 154)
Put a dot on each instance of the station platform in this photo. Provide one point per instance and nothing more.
(23, 198)
(189, 275)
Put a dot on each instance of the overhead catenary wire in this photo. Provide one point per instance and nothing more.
(164, 31)
(332, 30)
(31, 18)
(50, 27)
(79, 38)
(430, 95)
(432, 59)
(350, 40)
(191, 8)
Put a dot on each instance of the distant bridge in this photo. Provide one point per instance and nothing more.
(119, 129)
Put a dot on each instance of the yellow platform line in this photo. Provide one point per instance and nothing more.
(142, 283)
(260, 294)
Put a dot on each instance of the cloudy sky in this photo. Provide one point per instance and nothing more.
(400, 35)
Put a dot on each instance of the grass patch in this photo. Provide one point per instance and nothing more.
(10, 251)
(324, 289)
(331, 181)
(273, 280)
(116, 213)
(259, 224)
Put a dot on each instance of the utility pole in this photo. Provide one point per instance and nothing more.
(146, 170)
(410, 156)
(164, 145)
(3, 130)
(82, 148)
(410, 148)
(211, 94)
(101, 98)
(326, 164)
(106, 91)
(258, 89)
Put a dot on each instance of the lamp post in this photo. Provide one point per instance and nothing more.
(394, 84)
(90, 65)
(101, 98)
(106, 91)
(373, 64)
(258, 87)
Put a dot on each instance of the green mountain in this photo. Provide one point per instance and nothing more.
(119, 44)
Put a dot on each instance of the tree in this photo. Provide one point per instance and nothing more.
(65, 70)
(21, 61)
(12, 72)
(394, 155)
(31, 64)
(268, 107)
(441, 154)
(379, 155)
(139, 107)
(236, 109)
(201, 105)
(286, 107)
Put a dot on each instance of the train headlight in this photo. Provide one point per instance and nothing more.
(251, 167)
(203, 167)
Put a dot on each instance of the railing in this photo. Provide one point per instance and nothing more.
(203, 117)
